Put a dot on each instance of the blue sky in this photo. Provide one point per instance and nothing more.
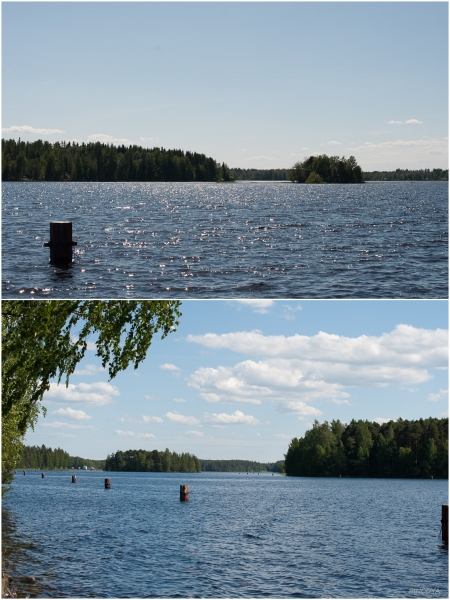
(240, 379)
(252, 84)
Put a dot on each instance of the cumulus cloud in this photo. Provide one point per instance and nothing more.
(70, 413)
(149, 419)
(97, 394)
(334, 143)
(89, 370)
(169, 367)
(30, 130)
(258, 306)
(175, 417)
(441, 395)
(298, 408)
(133, 434)
(237, 417)
(194, 433)
(63, 425)
(108, 139)
(382, 420)
(179, 400)
(303, 368)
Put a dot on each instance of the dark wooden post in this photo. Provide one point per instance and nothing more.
(24, 472)
(74, 478)
(184, 493)
(43, 475)
(61, 242)
(107, 484)
(444, 522)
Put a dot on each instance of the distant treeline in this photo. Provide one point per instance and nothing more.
(235, 466)
(43, 161)
(260, 174)
(154, 461)
(35, 457)
(367, 449)
(407, 175)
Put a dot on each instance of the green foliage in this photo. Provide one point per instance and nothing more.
(366, 449)
(260, 174)
(329, 169)
(35, 457)
(154, 461)
(407, 175)
(43, 161)
(238, 466)
(45, 340)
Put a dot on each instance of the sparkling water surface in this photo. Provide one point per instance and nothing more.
(207, 240)
(240, 535)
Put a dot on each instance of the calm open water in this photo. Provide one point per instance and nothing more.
(188, 240)
(238, 536)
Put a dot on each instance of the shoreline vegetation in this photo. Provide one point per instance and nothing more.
(97, 162)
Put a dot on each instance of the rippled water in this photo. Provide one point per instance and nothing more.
(238, 536)
(140, 240)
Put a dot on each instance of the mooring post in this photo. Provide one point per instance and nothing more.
(61, 242)
(184, 493)
(43, 475)
(444, 522)
(107, 484)
(74, 478)
(24, 472)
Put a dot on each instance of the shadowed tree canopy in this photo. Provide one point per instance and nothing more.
(43, 341)
(326, 169)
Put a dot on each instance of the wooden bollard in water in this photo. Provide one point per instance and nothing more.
(24, 472)
(184, 493)
(61, 242)
(74, 478)
(107, 484)
(43, 475)
(444, 522)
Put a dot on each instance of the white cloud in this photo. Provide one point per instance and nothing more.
(193, 433)
(334, 143)
(441, 395)
(226, 419)
(133, 434)
(169, 367)
(298, 408)
(31, 130)
(258, 306)
(175, 417)
(97, 394)
(179, 400)
(408, 122)
(108, 139)
(63, 425)
(382, 420)
(307, 368)
(89, 370)
(79, 415)
(149, 419)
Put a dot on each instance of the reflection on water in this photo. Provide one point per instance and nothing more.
(386, 240)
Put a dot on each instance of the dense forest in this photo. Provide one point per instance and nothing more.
(407, 175)
(35, 457)
(43, 161)
(155, 461)
(326, 169)
(366, 449)
(238, 466)
(260, 174)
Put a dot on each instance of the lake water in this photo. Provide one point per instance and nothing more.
(242, 240)
(238, 536)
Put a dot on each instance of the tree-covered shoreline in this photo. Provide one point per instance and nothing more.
(43, 458)
(401, 448)
(152, 461)
(97, 162)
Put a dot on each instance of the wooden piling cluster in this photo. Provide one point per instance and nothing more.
(61, 242)
(184, 493)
